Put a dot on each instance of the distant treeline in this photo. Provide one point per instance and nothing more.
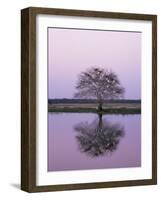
(54, 101)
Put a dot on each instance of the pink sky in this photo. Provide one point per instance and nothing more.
(72, 51)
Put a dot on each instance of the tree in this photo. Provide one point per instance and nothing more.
(99, 84)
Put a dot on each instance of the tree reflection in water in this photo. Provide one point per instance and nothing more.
(99, 137)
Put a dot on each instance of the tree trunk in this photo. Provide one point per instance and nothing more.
(100, 106)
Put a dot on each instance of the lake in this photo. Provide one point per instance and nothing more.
(78, 141)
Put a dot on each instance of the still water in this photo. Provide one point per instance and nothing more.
(78, 141)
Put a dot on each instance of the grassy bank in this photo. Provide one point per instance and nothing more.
(113, 108)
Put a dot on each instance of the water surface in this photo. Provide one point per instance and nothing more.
(78, 141)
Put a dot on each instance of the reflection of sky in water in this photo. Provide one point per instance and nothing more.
(64, 149)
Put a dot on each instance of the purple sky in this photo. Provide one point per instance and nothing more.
(71, 52)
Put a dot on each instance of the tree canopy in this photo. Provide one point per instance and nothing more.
(99, 83)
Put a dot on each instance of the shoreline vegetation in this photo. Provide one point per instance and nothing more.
(91, 106)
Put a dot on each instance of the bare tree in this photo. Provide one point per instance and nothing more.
(99, 84)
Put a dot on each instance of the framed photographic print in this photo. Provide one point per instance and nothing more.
(89, 99)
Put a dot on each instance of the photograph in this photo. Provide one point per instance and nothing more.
(94, 99)
(89, 99)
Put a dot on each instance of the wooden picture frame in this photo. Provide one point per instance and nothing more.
(28, 98)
